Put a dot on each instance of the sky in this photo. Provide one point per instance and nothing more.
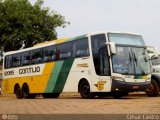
(135, 16)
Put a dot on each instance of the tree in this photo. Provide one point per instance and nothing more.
(22, 23)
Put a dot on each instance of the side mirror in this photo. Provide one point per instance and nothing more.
(112, 47)
(155, 56)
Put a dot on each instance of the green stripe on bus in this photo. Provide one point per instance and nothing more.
(53, 77)
(59, 76)
(63, 75)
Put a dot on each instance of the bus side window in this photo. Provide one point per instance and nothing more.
(58, 53)
(26, 58)
(49, 53)
(16, 60)
(81, 48)
(37, 56)
(8, 61)
(64, 51)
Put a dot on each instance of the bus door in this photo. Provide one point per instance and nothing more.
(105, 74)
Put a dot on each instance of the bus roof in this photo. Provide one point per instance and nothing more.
(62, 40)
(47, 43)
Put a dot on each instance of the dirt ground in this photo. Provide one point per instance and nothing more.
(74, 104)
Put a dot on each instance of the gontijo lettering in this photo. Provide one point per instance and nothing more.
(29, 70)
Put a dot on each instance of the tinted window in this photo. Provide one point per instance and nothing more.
(16, 60)
(127, 39)
(49, 53)
(26, 58)
(97, 42)
(81, 48)
(36, 56)
(8, 61)
(104, 62)
(77, 48)
(64, 51)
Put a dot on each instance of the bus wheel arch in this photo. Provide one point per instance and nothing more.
(84, 89)
(18, 91)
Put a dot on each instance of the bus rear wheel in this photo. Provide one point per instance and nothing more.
(18, 92)
(84, 89)
(153, 89)
(26, 94)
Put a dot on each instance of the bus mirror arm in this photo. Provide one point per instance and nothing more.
(112, 47)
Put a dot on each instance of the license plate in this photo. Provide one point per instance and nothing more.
(135, 87)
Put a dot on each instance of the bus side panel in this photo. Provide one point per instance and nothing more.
(36, 83)
(83, 68)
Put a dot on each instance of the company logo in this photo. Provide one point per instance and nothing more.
(100, 85)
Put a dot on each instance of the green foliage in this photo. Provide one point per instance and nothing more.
(24, 23)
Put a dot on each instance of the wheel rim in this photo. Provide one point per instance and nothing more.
(85, 90)
(151, 89)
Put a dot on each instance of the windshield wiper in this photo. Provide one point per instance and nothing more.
(138, 64)
(135, 59)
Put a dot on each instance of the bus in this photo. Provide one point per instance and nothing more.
(94, 64)
(154, 88)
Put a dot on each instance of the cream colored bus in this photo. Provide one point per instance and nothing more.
(94, 64)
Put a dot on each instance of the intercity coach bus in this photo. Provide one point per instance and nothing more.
(94, 64)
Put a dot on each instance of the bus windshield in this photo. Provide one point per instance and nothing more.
(127, 39)
(130, 60)
(131, 55)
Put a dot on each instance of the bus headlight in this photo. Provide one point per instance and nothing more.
(148, 79)
(118, 78)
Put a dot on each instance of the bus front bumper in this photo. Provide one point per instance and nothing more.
(129, 86)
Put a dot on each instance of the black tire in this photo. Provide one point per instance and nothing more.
(153, 89)
(26, 93)
(84, 89)
(18, 92)
(50, 95)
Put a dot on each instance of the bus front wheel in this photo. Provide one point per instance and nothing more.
(84, 89)
(153, 89)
